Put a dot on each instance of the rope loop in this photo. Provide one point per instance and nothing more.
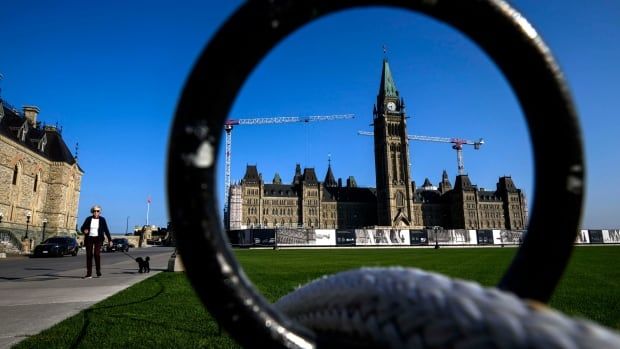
(410, 308)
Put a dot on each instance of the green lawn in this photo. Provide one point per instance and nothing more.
(163, 311)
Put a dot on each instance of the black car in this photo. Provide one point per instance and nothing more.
(57, 246)
(118, 244)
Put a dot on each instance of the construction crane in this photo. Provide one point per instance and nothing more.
(231, 123)
(457, 144)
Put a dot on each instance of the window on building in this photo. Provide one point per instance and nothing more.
(400, 199)
(21, 133)
(36, 183)
(15, 175)
(42, 143)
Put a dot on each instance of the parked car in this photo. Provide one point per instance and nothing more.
(154, 241)
(57, 246)
(118, 244)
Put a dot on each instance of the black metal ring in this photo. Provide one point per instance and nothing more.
(245, 39)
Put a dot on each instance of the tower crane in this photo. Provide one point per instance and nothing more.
(231, 123)
(457, 144)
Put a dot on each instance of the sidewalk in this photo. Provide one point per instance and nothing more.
(30, 306)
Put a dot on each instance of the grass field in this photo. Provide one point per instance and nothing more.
(163, 311)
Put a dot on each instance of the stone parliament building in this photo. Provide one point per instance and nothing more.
(40, 179)
(396, 201)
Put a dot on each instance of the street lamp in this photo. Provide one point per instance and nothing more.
(43, 231)
(28, 215)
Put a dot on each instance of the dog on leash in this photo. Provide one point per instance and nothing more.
(143, 264)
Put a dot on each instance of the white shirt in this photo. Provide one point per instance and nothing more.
(94, 227)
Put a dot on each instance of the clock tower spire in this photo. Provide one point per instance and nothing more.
(392, 166)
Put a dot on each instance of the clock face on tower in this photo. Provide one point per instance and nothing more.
(391, 106)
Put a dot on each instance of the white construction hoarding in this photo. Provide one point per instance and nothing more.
(382, 236)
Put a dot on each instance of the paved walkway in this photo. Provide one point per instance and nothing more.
(29, 306)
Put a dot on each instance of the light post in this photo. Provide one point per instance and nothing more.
(28, 215)
(436, 228)
(127, 226)
(43, 231)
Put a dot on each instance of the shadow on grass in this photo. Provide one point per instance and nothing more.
(87, 313)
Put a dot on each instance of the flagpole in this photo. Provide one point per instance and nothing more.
(148, 207)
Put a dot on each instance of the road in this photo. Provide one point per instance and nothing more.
(36, 293)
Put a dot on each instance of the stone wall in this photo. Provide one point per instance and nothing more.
(55, 196)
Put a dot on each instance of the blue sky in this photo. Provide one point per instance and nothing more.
(111, 73)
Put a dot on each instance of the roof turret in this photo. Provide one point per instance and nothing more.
(330, 180)
(297, 177)
(387, 87)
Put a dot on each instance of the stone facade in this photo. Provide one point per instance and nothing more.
(392, 166)
(395, 202)
(305, 202)
(38, 175)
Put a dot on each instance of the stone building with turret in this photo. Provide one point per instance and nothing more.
(40, 179)
(394, 202)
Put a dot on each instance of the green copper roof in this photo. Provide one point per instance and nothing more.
(387, 87)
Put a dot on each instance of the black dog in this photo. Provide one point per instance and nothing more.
(143, 265)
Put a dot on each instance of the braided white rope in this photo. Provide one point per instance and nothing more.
(411, 308)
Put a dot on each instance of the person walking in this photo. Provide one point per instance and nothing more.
(94, 228)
